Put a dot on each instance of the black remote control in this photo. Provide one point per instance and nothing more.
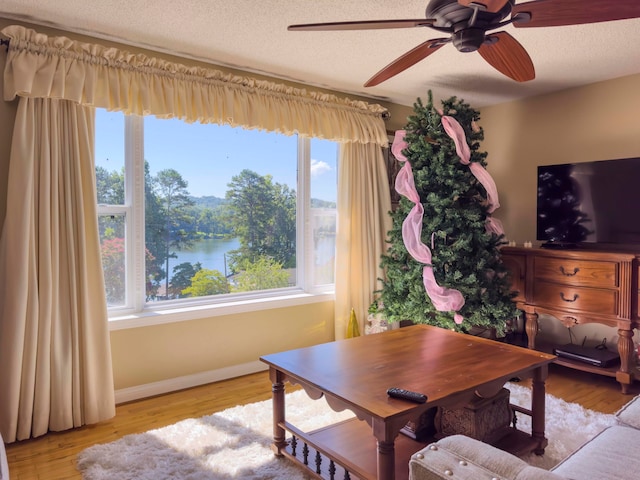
(407, 395)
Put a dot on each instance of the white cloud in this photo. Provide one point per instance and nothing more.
(318, 167)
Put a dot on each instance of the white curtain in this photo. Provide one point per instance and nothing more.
(363, 222)
(54, 343)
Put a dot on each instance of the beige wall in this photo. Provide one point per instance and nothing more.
(153, 354)
(597, 122)
(399, 117)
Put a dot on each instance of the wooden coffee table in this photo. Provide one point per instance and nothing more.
(450, 368)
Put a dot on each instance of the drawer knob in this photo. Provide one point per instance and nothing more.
(570, 300)
(568, 274)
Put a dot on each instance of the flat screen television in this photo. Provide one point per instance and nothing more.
(589, 204)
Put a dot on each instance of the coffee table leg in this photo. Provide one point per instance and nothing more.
(538, 408)
(386, 460)
(277, 390)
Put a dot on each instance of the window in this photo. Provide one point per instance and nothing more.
(202, 213)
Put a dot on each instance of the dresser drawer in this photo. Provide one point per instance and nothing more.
(565, 297)
(577, 272)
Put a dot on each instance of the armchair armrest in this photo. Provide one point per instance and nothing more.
(462, 458)
(4, 466)
(629, 414)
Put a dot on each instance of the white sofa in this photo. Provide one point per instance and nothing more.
(610, 455)
(4, 466)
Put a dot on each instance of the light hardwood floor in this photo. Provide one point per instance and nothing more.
(53, 456)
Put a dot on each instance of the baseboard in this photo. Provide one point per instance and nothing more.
(180, 383)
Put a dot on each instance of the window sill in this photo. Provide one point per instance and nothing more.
(182, 314)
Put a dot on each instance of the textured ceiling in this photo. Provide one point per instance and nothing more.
(252, 35)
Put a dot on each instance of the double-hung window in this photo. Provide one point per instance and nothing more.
(193, 214)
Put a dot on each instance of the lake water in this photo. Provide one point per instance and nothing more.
(209, 252)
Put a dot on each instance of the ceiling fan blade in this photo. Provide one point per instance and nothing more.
(554, 13)
(364, 25)
(410, 58)
(492, 6)
(505, 54)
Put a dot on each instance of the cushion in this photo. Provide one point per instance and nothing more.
(610, 455)
(630, 413)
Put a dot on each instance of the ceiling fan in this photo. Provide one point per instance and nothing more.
(468, 21)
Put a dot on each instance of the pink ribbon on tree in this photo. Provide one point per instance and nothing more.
(444, 299)
(455, 131)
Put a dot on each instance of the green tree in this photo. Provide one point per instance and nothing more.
(155, 234)
(153, 272)
(109, 186)
(112, 251)
(283, 235)
(181, 278)
(110, 191)
(173, 196)
(262, 215)
(465, 256)
(207, 282)
(262, 274)
(212, 222)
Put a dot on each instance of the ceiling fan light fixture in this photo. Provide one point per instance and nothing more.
(468, 40)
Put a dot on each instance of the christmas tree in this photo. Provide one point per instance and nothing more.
(465, 260)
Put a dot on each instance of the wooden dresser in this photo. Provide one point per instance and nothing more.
(577, 287)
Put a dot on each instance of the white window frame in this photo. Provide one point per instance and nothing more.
(137, 312)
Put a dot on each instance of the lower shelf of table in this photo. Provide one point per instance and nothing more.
(351, 446)
(519, 443)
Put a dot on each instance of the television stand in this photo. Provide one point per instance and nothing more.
(579, 286)
(560, 245)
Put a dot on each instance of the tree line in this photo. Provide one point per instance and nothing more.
(259, 212)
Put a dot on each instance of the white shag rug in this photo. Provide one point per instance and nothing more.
(235, 443)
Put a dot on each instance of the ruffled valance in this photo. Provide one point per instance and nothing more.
(94, 75)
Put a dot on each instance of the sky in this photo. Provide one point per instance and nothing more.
(207, 156)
